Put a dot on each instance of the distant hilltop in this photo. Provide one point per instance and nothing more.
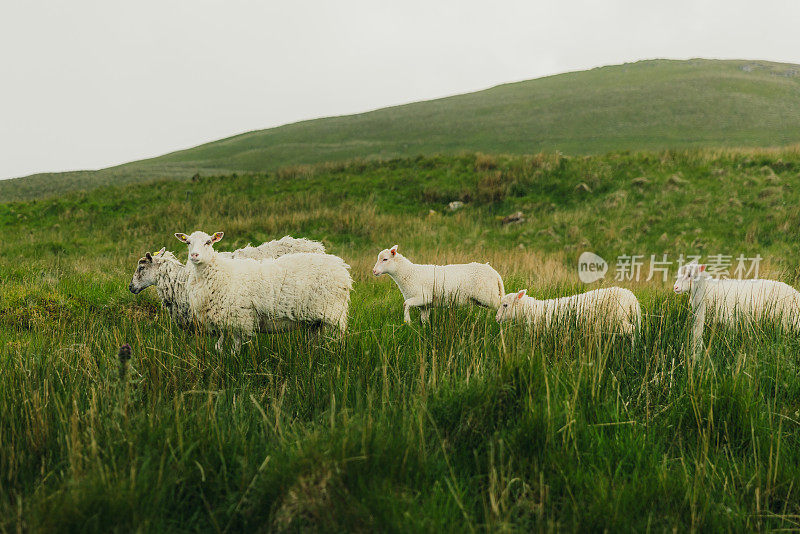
(648, 105)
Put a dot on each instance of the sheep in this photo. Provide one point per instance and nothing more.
(163, 270)
(277, 247)
(733, 302)
(614, 307)
(169, 275)
(244, 296)
(425, 286)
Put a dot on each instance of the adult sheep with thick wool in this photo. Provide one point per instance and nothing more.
(244, 296)
(278, 247)
(426, 286)
(164, 271)
(615, 308)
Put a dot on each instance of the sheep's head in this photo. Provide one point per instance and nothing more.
(686, 275)
(387, 261)
(201, 246)
(146, 273)
(509, 306)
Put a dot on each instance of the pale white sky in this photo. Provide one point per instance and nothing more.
(87, 84)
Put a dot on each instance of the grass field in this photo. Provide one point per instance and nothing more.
(649, 105)
(459, 425)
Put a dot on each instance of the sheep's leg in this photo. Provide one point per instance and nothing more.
(628, 329)
(237, 344)
(697, 337)
(335, 331)
(698, 324)
(425, 314)
(415, 301)
(317, 332)
(219, 345)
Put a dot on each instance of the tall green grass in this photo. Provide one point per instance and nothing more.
(455, 425)
(401, 427)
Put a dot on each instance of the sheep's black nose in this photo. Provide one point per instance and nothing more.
(131, 289)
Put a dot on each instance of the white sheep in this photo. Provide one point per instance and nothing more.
(425, 286)
(245, 296)
(278, 247)
(163, 270)
(733, 302)
(613, 307)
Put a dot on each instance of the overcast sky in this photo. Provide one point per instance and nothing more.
(88, 84)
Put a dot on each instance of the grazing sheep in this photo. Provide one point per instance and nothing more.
(163, 270)
(278, 247)
(245, 296)
(425, 286)
(735, 301)
(169, 275)
(614, 307)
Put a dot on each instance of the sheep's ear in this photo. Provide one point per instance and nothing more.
(522, 293)
(148, 257)
(217, 236)
(183, 238)
(160, 252)
(702, 268)
(393, 250)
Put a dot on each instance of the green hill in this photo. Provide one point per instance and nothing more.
(641, 106)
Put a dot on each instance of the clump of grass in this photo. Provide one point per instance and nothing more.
(295, 172)
(491, 188)
(485, 162)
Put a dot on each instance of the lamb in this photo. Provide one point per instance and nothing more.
(735, 301)
(169, 275)
(425, 286)
(245, 296)
(614, 307)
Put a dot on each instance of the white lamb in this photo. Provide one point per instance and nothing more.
(612, 307)
(425, 286)
(733, 302)
(163, 270)
(244, 296)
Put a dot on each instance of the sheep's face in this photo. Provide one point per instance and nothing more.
(146, 273)
(510, 306)
(686, 275)
(387, 262)
(201, 246)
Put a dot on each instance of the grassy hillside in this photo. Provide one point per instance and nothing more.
(403, 428)
(640, 106)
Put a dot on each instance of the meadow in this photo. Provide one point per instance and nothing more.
(457, 425)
